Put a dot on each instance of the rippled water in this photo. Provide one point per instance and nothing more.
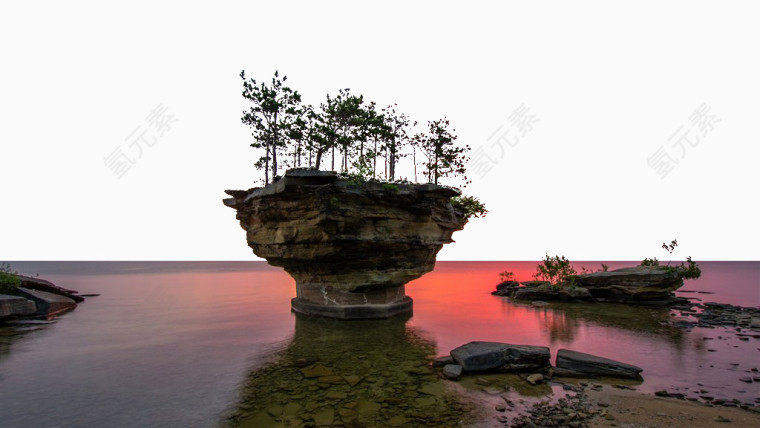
(214, 343)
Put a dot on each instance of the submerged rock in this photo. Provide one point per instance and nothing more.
(580, 362)
(755, 323)
(485, 356)
(443, 360)
(535, 378)
(452, 371)
(350, 248)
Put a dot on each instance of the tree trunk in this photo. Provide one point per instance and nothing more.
(435, 168)
(266, 163)
(374, 160)
(393, 161)
(385, 159)
(414, 159)
(319, 158)
(274, 148)
(298, 157)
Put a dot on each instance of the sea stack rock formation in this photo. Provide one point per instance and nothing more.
(350, 246)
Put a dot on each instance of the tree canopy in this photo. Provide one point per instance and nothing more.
(344, 127)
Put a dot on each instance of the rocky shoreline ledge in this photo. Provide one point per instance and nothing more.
(582, 402)
(35, 298)
(596, 405)
(648, 286)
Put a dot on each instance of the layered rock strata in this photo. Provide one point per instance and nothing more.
(350, 246)
(635, 283)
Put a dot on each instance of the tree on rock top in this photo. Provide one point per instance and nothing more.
(348, 128)
(444, 159)
(274, 108)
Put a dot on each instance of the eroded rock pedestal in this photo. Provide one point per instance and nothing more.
(351, 247)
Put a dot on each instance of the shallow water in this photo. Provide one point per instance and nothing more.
(214, 343)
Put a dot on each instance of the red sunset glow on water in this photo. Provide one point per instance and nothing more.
(155, 322)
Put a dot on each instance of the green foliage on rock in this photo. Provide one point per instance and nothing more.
(361, 173)
(556, 270)
(470, 206)
(507, 276)
(8, 279)
(390, 187)
(690, 270)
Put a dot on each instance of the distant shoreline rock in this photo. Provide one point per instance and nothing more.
(638, 284)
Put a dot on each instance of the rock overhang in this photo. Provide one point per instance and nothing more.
(347, 243)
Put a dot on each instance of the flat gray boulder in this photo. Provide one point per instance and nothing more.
(16, 306)
(452, 371)
(592, 365)
(632, 283)
(48, 304)
(485, 356)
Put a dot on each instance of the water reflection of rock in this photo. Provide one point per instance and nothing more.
(563, 321)
(359, 373)
(9, 335)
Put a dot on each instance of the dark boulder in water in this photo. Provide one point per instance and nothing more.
(588, 364)
(486, 356)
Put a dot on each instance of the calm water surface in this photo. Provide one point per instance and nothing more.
(214, 343)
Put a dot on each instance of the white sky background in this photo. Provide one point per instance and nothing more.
(608, 84)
